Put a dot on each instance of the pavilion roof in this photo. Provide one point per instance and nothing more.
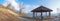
(42, 9)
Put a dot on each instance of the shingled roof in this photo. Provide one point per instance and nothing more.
(41, 9)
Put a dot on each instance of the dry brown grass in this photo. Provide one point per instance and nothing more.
(5, 15)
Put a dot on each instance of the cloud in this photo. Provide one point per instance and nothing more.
(35, 6)
(29, 8)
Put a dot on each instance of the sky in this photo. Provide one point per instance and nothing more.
(29, 5)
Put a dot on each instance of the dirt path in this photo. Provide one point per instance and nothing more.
(24, 19)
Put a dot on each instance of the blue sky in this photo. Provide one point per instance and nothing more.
(2, 1)
(32, 4)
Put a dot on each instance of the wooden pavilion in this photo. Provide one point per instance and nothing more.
(41, 9)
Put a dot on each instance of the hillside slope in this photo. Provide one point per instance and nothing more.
(8, 15)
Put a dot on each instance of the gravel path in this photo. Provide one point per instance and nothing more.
(56, 19)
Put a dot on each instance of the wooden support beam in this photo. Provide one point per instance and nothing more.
(46, 14)
(33, 14)
(36, 14)
(49, 14)
(41, 16)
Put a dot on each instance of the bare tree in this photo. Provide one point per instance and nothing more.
(58, 11)
(21, 8)
(9, 6)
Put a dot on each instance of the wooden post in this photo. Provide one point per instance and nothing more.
(36, 14)
(33, 14)
(49, 15)
(46, 14)
(41, 16)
